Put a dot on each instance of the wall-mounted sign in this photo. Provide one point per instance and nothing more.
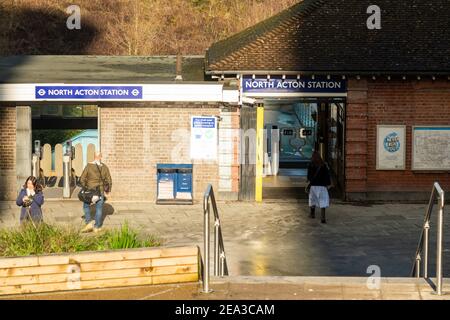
(203, 138)
(431, 148)
(88, 92)
(276, 85)
(306, 132)
(391, 147)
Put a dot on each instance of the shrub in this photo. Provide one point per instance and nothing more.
(43, 238)
(125, 238)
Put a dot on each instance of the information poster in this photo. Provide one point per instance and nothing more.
(203, 138)
(391, 147)
(431, 148)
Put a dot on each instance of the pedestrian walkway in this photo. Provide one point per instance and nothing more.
(263, 288)
(278, 238)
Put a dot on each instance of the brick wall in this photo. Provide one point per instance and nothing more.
(135, 139)
(371, 103)
(7, 153)
(229, 153)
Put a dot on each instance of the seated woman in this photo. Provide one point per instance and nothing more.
(31, 199)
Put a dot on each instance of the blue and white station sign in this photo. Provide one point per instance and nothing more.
(73, 92)
(277, 85)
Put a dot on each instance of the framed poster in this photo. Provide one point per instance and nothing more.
(391, 147)
(431, 148)
(204, 138)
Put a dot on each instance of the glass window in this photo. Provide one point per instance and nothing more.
(72, 111)
(90, 111)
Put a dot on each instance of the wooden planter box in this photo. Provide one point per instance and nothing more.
(99, 269)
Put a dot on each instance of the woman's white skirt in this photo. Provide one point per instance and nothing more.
(318, 197)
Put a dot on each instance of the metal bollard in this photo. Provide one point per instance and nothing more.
(36, 172)
(67, 172)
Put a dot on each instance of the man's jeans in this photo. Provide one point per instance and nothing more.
(98, 212)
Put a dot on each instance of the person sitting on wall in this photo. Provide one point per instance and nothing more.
(96, 176)
(31, 199)
(319, 180)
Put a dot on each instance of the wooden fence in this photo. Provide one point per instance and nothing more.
(77, 163)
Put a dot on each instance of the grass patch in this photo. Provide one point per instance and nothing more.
(46, 239)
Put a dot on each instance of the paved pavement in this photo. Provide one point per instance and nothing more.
(263, 288)
(277, 238)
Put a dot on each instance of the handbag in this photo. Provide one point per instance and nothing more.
(308, 187)
(85, 195)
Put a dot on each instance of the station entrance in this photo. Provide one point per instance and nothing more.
(64, 140)
(292, 130)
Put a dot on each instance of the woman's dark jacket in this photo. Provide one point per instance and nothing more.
(319, 176)
(35, 208)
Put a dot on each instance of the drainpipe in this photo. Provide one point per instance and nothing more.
(179, 67)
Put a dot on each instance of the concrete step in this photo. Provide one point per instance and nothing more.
(263, 288)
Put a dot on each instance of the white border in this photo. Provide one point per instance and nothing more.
(208, 92)
(403, 145)
(413, 138)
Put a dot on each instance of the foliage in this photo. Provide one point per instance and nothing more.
(53, 137)
(127, 27)
(43, 238)
(125, 238)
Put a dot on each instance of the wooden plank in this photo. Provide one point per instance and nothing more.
(35, 279)
(59, 160)
(18, 262)
(97, 266)
(131, 254)
(46, 161)
(97, 256)
(111, 274)
(12, 272)
(174, 261)
(115, 265)
(95, 284)
(77, 163)
(179, 278)
(96, 275)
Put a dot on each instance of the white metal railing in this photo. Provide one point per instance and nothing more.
(220, 260)
(422, 252)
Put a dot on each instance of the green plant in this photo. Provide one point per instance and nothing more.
(43, 238)
(125, 238)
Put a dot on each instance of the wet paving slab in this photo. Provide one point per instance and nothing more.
(278, 238)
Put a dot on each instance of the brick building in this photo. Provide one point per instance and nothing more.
(395, 76)
(135, 133)
(374, 102)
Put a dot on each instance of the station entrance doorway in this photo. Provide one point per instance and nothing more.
(292, 130)
(64, 139)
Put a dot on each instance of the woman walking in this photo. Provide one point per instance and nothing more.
(319, 181)
(31, 199)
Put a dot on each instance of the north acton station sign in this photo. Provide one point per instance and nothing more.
(264, 85)
(89, 92)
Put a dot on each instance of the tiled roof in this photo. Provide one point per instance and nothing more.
(98, 69)
(331, 36)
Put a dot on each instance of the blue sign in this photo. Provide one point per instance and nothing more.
(289, 85)
(204, 122)
(89, 92)
(392, 142)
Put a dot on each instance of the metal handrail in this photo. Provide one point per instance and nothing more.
(423, 247)
(220, 260)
